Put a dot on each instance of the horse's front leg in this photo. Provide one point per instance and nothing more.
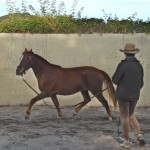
(32, 102)
(56, 103)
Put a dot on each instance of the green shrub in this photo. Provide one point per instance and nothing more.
(31, 24)
(51, 19)
(25, 23)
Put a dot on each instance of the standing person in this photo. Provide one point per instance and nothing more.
(129, 80)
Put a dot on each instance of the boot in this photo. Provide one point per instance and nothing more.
(141, 140)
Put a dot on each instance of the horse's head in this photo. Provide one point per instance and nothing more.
(25, 62)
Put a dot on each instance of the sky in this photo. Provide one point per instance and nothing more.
(96, 8)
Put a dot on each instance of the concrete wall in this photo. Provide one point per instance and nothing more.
(67, 50)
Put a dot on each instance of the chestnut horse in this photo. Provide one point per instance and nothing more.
(54, 80)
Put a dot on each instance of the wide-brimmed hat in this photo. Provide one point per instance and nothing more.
(130, 48)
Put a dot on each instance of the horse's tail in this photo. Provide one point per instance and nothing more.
(111, 90)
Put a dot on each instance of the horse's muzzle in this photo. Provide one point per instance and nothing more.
(20, 71)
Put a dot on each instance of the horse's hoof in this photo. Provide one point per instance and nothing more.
(27, 116)
(60, 118)
(110, 118)
(74, 113)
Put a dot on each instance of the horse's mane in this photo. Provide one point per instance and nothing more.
(45, 61)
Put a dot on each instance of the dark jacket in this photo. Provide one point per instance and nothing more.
(129, 79)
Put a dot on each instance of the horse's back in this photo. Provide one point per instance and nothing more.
(86, 75)
(82, 69)
(80, 72)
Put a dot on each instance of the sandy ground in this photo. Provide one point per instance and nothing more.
(89, 130)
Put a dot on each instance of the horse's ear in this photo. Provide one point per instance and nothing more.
(31, 51)
(25, 50)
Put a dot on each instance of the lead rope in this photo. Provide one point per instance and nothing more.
(35, 92)
(118, 131)
(118, 126)
(63, 107)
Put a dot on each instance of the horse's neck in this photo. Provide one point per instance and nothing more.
(37, 66)
(41, 66)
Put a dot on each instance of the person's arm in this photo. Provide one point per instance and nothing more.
(118, 74)
(142, 81)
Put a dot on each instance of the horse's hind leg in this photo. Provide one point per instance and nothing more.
(56, 103)
(86, 97)
(104, 102)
